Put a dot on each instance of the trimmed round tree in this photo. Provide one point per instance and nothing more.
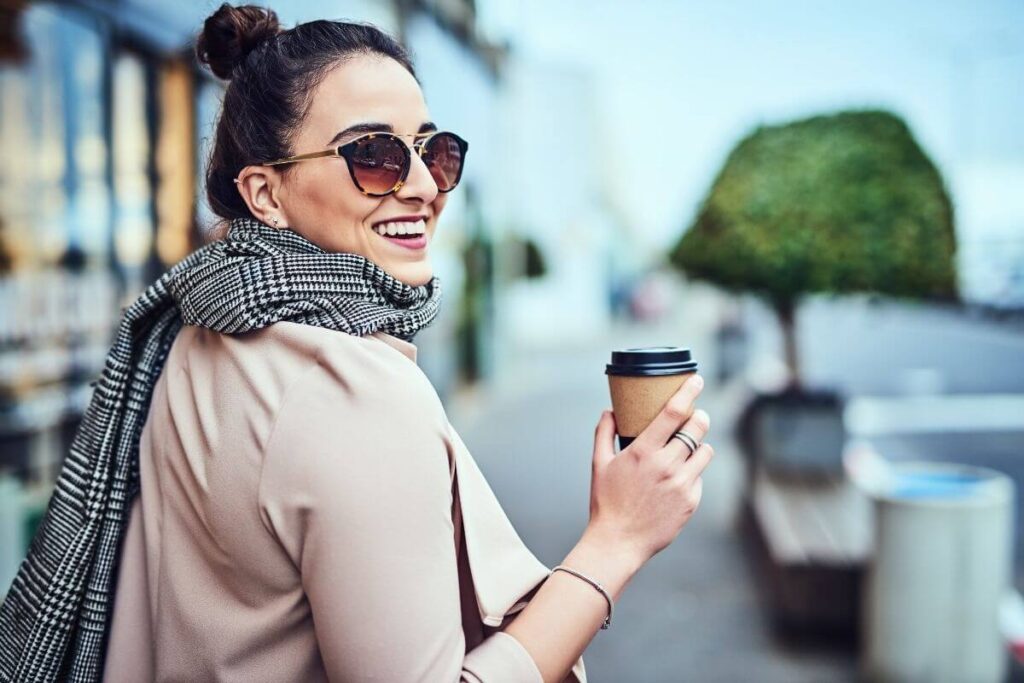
(840, 203)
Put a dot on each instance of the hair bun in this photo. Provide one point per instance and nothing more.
(231, 33)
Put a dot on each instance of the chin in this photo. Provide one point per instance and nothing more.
(414, 276)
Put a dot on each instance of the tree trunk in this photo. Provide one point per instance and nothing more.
(786, 312)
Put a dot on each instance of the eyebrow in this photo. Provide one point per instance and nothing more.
(361, 128)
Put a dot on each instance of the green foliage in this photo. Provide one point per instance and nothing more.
(841, 203)
(535, 265)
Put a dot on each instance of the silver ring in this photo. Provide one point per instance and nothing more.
(687, 439)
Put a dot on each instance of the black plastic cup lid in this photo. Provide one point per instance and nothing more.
(651, 361)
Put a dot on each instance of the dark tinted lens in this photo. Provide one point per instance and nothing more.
(378, 163)
(443, 156)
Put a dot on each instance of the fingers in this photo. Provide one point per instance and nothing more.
(604, 439)
(697, 463)
(697, 427)
(677, 410)
(696, 492)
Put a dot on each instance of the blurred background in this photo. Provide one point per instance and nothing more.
(823, 201)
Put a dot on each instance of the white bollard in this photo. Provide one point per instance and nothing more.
(942, 562)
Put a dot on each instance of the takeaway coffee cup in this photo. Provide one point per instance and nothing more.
(641, 381)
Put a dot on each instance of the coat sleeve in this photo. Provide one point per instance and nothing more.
(356, 487)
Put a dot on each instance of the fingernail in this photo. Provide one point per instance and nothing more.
(698, 381)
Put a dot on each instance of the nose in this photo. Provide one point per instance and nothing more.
(419, 184)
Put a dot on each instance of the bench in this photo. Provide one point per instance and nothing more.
(813, 541)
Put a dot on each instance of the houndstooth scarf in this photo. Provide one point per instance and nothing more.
(54, 620)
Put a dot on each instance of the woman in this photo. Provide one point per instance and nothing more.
(265, 485)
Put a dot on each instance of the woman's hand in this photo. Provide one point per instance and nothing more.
(641, 498)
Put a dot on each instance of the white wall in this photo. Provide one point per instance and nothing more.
(555, 177)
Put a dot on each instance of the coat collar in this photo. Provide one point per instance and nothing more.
(506, 574)
(504, 569)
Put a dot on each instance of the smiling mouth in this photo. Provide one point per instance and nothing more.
(408, 236)
(402, 230)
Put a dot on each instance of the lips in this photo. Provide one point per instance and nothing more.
(410, 242)
(411, 218)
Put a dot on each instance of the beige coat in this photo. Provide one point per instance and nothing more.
(308, 513)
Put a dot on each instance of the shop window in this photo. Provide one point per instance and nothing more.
(175, 163)
(133, 224)
(33, 199)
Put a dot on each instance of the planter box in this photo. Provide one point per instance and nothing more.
(796, 434)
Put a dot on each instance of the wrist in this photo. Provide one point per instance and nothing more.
(610, 563)
(624, 553)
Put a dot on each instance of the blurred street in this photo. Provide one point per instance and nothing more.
(891, 344)
(693, 612)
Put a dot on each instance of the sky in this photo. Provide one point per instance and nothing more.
(679, 83)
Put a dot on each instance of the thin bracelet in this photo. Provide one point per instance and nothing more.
(595, 584)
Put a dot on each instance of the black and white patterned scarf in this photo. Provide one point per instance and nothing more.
(54, 621)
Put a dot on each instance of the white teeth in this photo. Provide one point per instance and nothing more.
(401, 228)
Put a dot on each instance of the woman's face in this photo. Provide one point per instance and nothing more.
(318, 198)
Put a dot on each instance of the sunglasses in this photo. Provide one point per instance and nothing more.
(379, 163)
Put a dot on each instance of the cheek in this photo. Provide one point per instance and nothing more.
(329, 184)
(328, 191)
(439, 203)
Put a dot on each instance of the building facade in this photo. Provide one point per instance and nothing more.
(106, 121)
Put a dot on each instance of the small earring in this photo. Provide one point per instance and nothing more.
(237, 181)
(276, 221)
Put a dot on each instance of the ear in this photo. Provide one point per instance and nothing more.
(261, 189)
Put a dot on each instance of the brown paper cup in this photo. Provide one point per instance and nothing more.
(636, 401)
(641, 382)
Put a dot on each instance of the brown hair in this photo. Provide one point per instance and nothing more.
(273, 73)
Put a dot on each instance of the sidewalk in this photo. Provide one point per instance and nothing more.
(693, 612)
